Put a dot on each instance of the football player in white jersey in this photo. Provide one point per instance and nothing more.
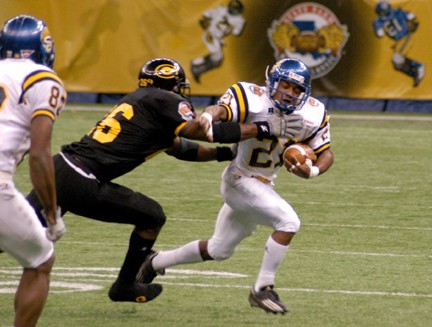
(218, 23)
(31, 96)
(247, 182)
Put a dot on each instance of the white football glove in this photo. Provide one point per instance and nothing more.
(285, 125)
(205, 120)
(55, 231)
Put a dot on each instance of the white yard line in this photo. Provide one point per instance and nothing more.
(311, 290)
(9, 287)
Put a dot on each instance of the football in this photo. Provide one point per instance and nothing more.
(301, 152)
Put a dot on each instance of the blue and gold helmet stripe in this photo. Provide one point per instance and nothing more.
(242, 104)
(35, 77)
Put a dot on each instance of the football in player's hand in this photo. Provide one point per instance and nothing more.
(302, 152)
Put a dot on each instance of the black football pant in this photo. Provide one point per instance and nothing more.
(103, 201)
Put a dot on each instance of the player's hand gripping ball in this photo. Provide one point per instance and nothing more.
(296, 156)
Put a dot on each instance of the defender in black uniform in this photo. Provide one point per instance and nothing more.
(156, 117)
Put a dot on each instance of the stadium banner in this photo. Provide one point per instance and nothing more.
(367, 49)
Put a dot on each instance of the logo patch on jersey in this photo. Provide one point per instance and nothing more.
(185, 110)
(312, 33)
(256, 90)
(312, 102)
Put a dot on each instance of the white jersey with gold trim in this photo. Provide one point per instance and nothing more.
(26, 90)
(248, 103)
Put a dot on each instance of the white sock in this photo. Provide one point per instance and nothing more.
(273, 256)
(188, 253)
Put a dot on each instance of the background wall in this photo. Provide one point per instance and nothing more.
(101, 45)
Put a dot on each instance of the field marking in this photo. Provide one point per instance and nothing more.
(56, 272)
(364, 205)
(311, 290)
(366, 254)
(69, 287)
(368, 226)
(170, 246)
(339, 116)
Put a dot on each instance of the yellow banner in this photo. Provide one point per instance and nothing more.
(355, 48)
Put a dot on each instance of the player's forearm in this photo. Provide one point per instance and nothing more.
(218, 112)
(220, 153)
(325, 161)
(43, 180)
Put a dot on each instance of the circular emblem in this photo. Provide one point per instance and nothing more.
(166, 71)
(309, 32)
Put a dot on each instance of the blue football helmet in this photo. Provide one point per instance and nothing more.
(290, 70)
(166, 74)
(383, 9)
(26, 36)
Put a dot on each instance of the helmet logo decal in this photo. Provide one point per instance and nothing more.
(28, 37)
(296, 77)
(166, 71)
(312, 33)
(47, 41)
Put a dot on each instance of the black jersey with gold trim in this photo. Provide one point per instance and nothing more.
(143, 124)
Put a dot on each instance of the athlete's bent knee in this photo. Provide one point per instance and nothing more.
(289, 225)
(295, 225)
(218, 252)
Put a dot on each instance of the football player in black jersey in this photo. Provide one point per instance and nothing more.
(156, 117)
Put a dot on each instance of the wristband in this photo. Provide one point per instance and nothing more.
(187, 150)
(223, 153)
(263, 130)
(314, 171)
(226, 132)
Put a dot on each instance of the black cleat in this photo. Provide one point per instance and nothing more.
(134, 292)
(146, 273)
(268, 300)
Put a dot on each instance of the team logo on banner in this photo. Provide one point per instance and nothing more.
(312, 33)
